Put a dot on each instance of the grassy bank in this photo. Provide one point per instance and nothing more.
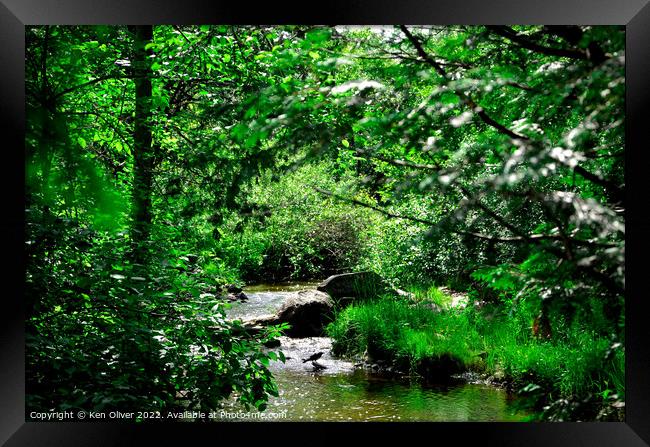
(575, 376)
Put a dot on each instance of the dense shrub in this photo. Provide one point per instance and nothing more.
(300, 234)
(105, 334)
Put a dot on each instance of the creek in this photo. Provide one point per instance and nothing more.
(342, 392)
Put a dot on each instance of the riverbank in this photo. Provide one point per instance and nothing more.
(343, 390)
(399, 336)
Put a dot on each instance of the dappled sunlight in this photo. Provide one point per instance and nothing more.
(377, 223)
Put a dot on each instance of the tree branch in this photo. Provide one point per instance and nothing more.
(520, 238)
(422, 53)
(91, 82)
(376, 208)
(464, 97)
(594, 178)
(524, 42)
(397, 162)
(487, 119)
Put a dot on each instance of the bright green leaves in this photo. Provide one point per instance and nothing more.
(239, 131)
(316, 36)
(247, 122)
(159, 96)
(501, 278)
(449, 98)
(86, 300)
(287, 84)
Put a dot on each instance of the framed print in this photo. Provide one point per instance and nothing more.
(227, 219)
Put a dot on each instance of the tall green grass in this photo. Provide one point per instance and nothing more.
(403, 332)
(430, 294)
(571, 367)
(579, 363)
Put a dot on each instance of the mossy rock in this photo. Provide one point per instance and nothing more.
(439, 369)
(347, 287)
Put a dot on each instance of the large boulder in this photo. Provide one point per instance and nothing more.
(258, 323)
(439, 369)
(349, 286)
(232, 288)
(307, 312)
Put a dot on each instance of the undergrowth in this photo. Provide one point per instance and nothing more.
(579, 365)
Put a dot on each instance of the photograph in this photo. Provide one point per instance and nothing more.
(325, 223)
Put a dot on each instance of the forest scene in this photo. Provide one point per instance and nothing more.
(325, 223)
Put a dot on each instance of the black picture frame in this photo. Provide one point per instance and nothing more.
(15, 14)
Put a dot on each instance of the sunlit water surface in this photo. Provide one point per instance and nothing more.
(342, 392)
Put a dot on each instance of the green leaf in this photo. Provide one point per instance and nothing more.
(449, 98)
(318, 35)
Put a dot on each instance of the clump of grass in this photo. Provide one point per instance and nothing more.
(574, 366)
(401, 331)
(581, 362)
(431, 294)
(365, 289)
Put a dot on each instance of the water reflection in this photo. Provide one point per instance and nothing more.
(343, 393)
(361, 397)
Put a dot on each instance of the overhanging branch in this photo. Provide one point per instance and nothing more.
(91, 82)
(521, 238)
(464, 97)
(524, 42)
(487, 119)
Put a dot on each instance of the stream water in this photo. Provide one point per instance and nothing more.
(341, 392)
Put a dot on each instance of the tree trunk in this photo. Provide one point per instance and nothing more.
(142, 143)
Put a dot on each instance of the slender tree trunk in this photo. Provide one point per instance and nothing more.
(45, 150)
(141, 193)
(142, 148)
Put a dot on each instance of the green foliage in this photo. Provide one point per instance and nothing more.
(488, 159)
(402, 332)
(104, 332)
(579, 375)
(408, 334)
(99, 337)
(431, 294)
(292, 231)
